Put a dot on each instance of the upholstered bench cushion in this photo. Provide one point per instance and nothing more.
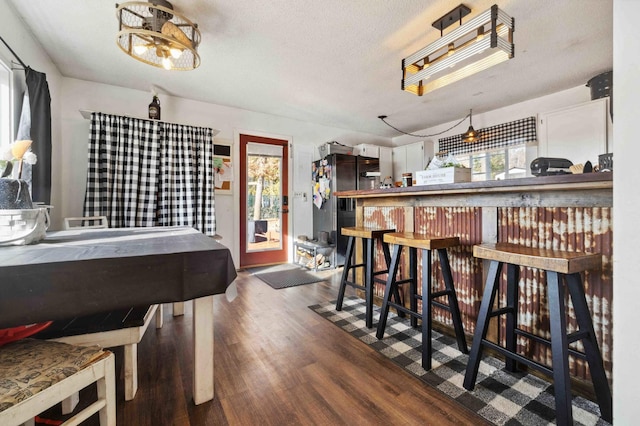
(29, 366)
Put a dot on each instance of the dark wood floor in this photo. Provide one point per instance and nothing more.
(277, 363)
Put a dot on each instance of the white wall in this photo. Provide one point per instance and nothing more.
(529, 108)
(626, 290)
(305, 137)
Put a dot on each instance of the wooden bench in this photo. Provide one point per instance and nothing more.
(124, 327)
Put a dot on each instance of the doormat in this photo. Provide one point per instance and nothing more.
(501, 397)
(287, 277)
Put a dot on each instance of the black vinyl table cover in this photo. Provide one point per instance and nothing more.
(80, 272)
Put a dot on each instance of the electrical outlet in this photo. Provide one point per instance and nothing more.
(302, 195)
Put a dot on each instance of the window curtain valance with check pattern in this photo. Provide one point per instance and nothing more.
(516, 132)
(150, 173)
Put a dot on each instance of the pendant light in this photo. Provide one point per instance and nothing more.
(470, 135)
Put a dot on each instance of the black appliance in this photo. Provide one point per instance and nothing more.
(341, 172)
(544, 166)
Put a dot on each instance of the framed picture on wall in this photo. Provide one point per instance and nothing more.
(223, 167)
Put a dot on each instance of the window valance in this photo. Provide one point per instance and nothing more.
(516, 132)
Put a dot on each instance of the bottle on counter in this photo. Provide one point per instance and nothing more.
(154, 109)
(407, 179)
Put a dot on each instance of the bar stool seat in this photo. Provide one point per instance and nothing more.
(417, 241)
(368, 236)
(559, 266)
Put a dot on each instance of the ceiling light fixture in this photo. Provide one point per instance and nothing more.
(153, 33)
(480, 43)
(470, 135)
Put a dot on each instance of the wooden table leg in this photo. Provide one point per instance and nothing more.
(178, 309)
(203, 349)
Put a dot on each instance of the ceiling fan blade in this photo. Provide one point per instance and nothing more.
(172, 30)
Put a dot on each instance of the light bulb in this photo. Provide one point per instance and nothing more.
(140, 49)
(166, 63)
(175, 52)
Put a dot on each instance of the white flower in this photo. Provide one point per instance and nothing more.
(30, 158)
(18, 151)
(5, 153)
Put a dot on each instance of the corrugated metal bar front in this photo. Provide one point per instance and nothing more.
(383, 218)
(587, 229)
(465, 223)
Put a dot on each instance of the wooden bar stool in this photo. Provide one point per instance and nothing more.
(368, 237)
(426, 243)
(559, 266)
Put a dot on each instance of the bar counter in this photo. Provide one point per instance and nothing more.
(562, 212)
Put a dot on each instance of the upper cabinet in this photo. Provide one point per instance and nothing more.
(367, 150)
(407, 158)
(386, 163)
(578, 133)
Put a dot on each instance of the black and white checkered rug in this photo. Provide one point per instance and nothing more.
(501, 397)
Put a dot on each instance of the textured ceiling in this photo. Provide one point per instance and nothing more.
(333, 62)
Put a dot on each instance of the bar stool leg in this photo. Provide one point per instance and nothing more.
(513, 276)
(482, 325)
(426, 309)
(345, 273)
(387, 260)
(559, 349)
(591, 348)
(413, 284)
(368, 280)
(453, 300)
(388, 289)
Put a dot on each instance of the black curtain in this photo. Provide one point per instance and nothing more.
(40, 104)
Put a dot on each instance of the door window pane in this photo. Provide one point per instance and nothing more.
(264, 189)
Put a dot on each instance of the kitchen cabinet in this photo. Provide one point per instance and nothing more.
(386, 162)
(578, 133)
(367, 150)
(407, 158)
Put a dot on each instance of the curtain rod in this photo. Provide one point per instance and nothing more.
(14, 53)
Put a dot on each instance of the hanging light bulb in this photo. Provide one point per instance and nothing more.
(166, 63)
(140, 49)
(470, 135)
(175, 52)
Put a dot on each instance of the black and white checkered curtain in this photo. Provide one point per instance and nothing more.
(150, 173)
(516, 132)
(186, 187)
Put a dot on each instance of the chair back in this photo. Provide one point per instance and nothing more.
(86, 222)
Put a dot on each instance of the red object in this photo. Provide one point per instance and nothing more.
(43, 421)
(16, 333)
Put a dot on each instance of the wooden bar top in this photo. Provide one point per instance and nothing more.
(567, 182)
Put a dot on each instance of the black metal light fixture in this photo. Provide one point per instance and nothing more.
(470, 135)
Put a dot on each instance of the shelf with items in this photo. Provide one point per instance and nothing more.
(313, 255)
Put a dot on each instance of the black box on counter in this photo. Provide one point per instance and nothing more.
(605, 161)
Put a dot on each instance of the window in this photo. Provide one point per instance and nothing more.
(503, 151)
(497, 164)
(5, 104)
